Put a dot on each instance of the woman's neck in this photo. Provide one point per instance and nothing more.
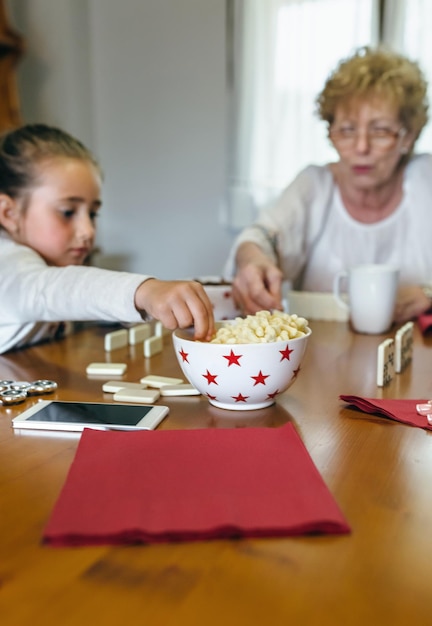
(373, 204)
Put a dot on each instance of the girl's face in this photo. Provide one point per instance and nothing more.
(58, 220)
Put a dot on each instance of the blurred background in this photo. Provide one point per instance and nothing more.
(141, 82)
(200, 111)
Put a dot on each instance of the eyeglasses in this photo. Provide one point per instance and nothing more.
(380, 137)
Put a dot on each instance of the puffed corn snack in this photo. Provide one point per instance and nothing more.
(263, 327)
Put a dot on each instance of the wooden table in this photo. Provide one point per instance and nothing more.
(380, 473)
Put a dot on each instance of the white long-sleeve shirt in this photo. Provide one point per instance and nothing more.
(35, 297)
(311, 235)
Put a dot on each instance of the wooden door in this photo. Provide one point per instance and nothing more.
(11, 49)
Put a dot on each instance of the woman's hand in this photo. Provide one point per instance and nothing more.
(177, 304)
(258, 283)
(411, 302)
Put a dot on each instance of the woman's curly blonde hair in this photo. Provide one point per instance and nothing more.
(378, 73)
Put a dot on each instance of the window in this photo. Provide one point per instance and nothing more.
(406, 28)
(283, 51)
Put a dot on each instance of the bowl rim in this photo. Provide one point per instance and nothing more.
(178, 334)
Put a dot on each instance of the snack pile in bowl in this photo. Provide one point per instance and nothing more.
(263, 327)
(249, 361)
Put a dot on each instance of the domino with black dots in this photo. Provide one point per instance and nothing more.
(385, 362)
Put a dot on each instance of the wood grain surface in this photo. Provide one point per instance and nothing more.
(379, 471)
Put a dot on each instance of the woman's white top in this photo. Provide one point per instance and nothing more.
(35, 297)
(311, 235)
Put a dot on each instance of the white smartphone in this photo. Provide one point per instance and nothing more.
(75, 416)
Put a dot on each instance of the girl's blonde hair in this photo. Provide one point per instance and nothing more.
(23, 149)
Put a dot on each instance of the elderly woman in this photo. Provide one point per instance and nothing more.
(374, 205)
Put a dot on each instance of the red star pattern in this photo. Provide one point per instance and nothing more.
(273, 395)
(240, 398)
(260, 378)
(286, 353)
(211, 378)
(184, 355)
(260, 386)
(233, 359)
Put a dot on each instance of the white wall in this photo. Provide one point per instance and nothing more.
(142, 82)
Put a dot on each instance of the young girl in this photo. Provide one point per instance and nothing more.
(50, 187)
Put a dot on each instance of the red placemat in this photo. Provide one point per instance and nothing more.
(128, 487)
(400, 410)
(425, 322)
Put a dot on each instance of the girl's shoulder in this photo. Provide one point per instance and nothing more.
(6, 241)
(13, 252)
(7, 244)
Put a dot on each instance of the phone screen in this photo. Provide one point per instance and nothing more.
(90, 413)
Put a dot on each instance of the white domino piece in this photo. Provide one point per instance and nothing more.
(112, 386)
(139, 333)
(153, 345)
(106, 369)
(403, 346)
(160, 381)
(179, 390)
(160, 330)
(139, 396)
(116, 339)
(385, 362)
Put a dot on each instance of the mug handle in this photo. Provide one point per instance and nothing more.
(342, 274)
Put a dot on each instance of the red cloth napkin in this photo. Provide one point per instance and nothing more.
(400, 410)
(129, 487)
(425, 322)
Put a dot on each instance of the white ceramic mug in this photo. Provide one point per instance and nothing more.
(372, 291)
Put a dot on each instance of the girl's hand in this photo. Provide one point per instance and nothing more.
(177, 304)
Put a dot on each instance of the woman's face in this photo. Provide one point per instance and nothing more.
(370, 141)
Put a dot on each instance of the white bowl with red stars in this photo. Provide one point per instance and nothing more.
(242, 376)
